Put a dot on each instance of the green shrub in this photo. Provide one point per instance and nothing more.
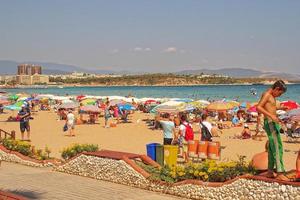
(75, 149)
(22, 147)
(208, 170)
(26, 149)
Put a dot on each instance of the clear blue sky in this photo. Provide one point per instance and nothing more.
(152, 35)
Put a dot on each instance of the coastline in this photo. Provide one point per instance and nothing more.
(134, 85)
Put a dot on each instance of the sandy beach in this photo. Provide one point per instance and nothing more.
(130, 137)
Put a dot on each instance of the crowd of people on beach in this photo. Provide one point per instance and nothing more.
(177, 127)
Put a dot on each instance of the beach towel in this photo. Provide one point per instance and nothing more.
(275, 150)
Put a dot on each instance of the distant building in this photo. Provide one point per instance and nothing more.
(29, 69)
(29, 74)
(31, 80)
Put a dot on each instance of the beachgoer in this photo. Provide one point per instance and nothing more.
(24, 115)
(1, 108)
(116, 113)
(71, 122)
(259, 131)
(80, 112)
(260, 161)
(181, 136)
(106, 115)
(298, 166)
(206, 128)
(246, 133)
(267, 106)
(168, 127)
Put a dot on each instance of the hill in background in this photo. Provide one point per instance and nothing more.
(10, 67)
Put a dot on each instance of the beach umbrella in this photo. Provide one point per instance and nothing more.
(150, 101)
(88, 102)
(126, 107)
(70, 105)
(290, 104)
(252, 109)
(67, 101)
(164, 108)
(234, 103)
(4, 102)
(80, 97)
(13, 97)
(185, 100)
(219, 106)
(245, 105)
(16, 106)
(198, 104)
(116, 101)
(90, 108)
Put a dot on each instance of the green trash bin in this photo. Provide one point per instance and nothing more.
(159, 154)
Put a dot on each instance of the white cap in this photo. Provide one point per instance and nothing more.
(246, 125)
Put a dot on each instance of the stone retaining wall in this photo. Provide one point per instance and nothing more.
(16, 157)
(118, 171)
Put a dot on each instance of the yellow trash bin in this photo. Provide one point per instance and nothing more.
(170, 155)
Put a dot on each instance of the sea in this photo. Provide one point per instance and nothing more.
(250, 93)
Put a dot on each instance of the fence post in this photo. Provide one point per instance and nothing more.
(13, 135)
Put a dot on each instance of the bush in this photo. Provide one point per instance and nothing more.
(26, 149)
(75, 149)
(208, 170)
(22, 147)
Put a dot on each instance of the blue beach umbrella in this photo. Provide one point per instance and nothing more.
(126, 107)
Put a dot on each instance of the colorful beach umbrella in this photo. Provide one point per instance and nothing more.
(219, 106)
(245, 105)
(91, 108)
(252, 109)
(70, 105)
(199, 104)
(4, 102)
(290, 104)
(165, 108)
(116, 101)
(13, 97)
(150, 101)
(126, 107)
(16, 106)
(88, 102)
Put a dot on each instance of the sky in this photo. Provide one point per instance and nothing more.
(153, 35)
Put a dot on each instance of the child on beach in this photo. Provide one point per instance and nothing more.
(267, 106)
(116, 113)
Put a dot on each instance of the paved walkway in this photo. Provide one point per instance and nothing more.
(35, 183)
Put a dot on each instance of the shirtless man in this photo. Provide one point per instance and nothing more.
(267, 106)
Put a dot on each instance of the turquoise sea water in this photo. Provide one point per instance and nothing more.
(242, 92)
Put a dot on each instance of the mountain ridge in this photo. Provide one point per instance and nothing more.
(10, 67)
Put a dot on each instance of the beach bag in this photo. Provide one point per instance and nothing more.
(205, 134)
(65, 128)
(189, 133)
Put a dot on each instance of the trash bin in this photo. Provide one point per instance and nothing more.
(170, 155)
(151, 150)
(159, 154)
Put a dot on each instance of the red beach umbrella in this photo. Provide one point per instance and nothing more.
(290, 104)
(150, 101)
(78, 98)
(252, 109)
